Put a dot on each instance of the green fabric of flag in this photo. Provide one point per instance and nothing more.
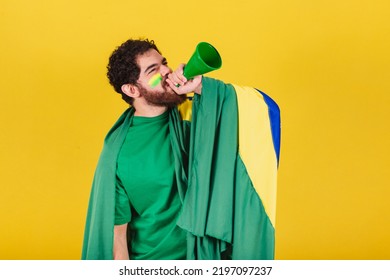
(222, 211)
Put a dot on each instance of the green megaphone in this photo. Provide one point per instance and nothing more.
(205, 59)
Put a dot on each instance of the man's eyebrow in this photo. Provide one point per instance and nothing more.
(164, 61)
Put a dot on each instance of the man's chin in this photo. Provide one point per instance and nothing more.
(176, 101)
(180, 97)
(168, 97)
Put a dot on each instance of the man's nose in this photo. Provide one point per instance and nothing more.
(165, 70)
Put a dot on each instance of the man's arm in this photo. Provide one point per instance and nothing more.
(120, 243)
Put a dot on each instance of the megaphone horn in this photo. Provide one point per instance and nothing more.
(205, 59)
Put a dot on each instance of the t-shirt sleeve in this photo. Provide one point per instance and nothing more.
(122, 205)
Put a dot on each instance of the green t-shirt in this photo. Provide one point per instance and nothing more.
(146, 192)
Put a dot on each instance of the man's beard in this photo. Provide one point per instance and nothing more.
(163, 98)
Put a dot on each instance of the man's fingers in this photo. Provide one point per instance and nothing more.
(173, 86)
(178, 75)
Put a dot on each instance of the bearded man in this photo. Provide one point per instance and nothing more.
(165, 187)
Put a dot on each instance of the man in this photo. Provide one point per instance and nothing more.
(145, 164)
(165, 190)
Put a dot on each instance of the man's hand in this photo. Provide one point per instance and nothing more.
(181, 85)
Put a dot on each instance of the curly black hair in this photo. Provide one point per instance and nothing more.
(122, 67)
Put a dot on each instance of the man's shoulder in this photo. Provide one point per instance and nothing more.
(123, 120)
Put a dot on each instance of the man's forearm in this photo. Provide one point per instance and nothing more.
(120, 251)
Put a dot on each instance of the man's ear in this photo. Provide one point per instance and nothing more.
(130, 90)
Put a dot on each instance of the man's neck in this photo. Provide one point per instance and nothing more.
(145, 110)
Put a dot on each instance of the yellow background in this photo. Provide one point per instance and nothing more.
(326, 63)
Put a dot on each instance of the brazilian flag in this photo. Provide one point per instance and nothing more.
(226, 146)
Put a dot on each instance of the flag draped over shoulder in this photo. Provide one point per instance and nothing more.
(99, 226)
(231, 198)
(225, 173)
